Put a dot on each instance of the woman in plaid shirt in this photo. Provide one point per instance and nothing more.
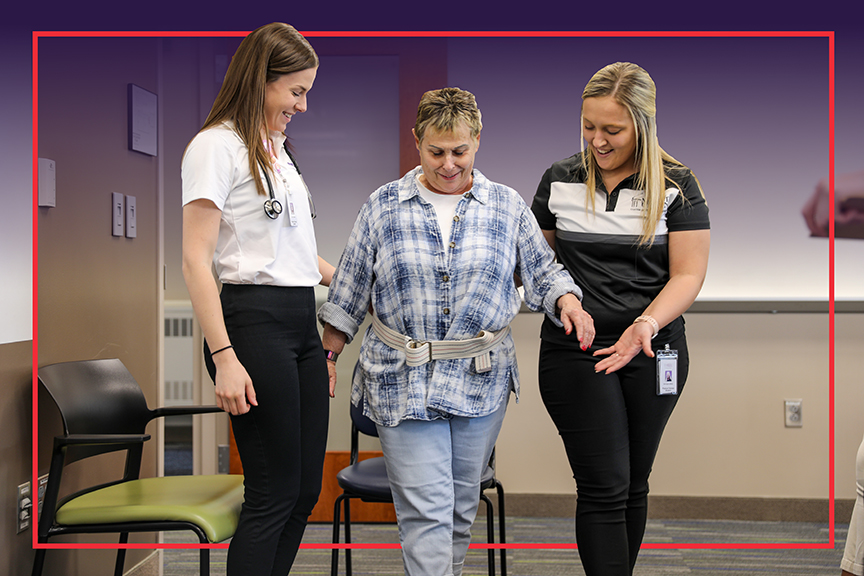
(435, 254)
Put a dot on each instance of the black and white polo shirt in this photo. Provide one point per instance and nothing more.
(601, 250)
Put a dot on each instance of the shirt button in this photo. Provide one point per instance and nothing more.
(467, 195)
(446, 311)
(452, 244)
(455, 218)
(446, 278)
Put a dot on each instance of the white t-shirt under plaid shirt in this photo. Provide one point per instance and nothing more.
(396, 258)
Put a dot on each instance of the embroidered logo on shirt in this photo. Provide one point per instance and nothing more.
(637, 202)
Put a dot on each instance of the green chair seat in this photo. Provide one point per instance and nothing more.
(211, 502)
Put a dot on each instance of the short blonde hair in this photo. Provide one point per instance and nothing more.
(444, 109)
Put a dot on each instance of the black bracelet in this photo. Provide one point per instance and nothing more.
(220, 350)
(330, 355)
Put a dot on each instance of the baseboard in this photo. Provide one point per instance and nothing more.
(149, 566)
(751, 509)
(694, 507)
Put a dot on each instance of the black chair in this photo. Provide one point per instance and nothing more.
(104, 410)
(367, 481)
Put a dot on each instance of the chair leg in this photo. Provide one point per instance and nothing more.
(121, 555)
(38, 562)
(499, 488)
(334, 557)
(348, 536)
(204, 553)
(490, 532)
(204, 562)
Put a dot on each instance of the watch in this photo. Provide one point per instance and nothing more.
(330, 355)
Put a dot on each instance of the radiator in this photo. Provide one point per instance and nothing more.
(179, 354)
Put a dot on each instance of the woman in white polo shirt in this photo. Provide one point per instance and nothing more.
(247, 210)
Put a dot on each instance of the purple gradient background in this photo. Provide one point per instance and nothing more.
(743, 113)
(720, 129)
(15, 188)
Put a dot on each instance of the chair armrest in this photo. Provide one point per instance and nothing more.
(182, 410)
(99, 439)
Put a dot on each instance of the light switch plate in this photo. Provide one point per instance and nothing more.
(131, 219)
(47, 183)
(117, 209)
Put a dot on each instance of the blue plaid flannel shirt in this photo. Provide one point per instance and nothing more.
(395, 258)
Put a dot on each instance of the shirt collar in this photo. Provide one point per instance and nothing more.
(278, 138)
(408, 186)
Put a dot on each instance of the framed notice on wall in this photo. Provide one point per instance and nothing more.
(142, 120)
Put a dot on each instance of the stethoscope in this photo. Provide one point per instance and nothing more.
(272, 206)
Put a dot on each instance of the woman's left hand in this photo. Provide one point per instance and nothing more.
(574, 316)
(635, 339)
(688, 261)
(331, 372)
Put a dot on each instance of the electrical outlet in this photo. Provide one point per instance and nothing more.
(25, 505)
(793, 413)
(224, 459)
(40, 492)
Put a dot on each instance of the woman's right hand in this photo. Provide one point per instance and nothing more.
(234, 391)
(201, 221)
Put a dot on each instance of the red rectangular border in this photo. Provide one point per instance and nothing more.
(455, 34)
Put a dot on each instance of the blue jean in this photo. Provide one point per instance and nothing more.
(434, 468)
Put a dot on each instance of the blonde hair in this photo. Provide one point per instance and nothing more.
(444, 109)
(267, 53)
(632, 87)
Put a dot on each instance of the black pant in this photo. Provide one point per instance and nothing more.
(282, 440)
(611, 427)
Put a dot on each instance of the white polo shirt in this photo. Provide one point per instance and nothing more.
(252, 248)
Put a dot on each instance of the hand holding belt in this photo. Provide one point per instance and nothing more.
(419, 352)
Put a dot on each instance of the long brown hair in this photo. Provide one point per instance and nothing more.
(267, 53)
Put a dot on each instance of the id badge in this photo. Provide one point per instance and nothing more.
(292, 213)
(667, 372)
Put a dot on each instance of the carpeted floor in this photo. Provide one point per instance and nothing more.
(552, 562)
